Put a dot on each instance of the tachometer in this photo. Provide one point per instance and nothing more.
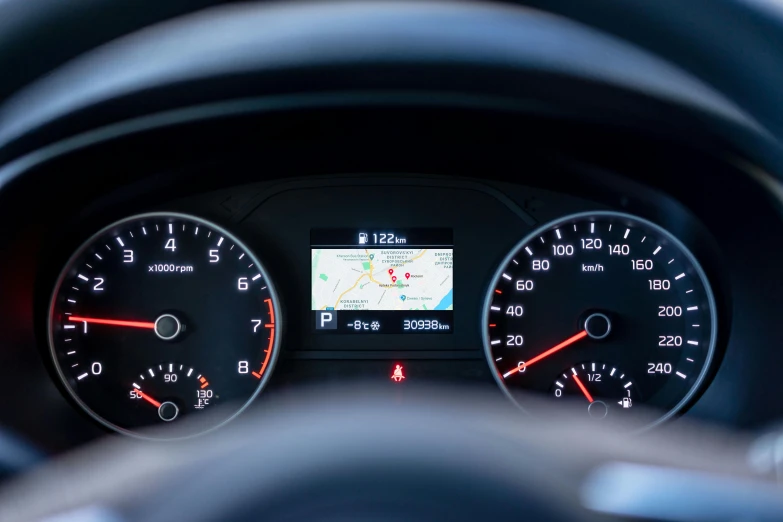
(607, 306)
(160, 317)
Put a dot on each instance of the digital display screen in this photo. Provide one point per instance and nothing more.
(377, 281)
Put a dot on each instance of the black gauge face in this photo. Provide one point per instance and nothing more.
(162, 317)
(607, 291)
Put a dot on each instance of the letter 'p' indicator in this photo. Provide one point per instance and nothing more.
(326, 320)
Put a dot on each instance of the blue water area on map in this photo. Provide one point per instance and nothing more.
(446, 301)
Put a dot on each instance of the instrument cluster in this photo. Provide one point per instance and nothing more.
(178, 311)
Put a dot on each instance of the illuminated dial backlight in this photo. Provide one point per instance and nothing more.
(163, 317)
(606, 287)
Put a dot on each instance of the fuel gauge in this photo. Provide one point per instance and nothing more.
(604, 387)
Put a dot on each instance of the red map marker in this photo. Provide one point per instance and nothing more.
(391, 271)
(394, 279)
(407, 275)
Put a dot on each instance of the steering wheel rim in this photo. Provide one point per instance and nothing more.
(690, 35)
(372, 459)
(361, 452)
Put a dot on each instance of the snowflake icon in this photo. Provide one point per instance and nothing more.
(375, 325)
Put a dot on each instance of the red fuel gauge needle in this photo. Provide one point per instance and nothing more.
(148, 398)
(582, 387)
(567, 342)
(111, 322)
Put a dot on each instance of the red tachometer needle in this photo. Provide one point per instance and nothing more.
(148, 398)
(567, 342)
(112, 322)
(582, 387)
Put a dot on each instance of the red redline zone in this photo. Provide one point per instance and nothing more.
(268, 351)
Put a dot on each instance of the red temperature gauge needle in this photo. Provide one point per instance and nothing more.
(567, 342)
(582, 387)
(112, 322)
(148, 398)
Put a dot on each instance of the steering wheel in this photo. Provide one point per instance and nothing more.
(342, 458)
(370, 456)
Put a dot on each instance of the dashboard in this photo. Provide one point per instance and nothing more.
(179, 294)
(600, 245)
(198, 307)
(312, 258)
(168, 315)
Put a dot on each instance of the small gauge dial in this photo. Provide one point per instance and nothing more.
(603, 388)
(169, 390)
(159, 317)
(601, 286)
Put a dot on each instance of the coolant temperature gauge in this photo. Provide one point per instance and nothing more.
(603, 387)
(169, 391)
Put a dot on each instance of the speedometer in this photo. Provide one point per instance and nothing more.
(604, 308)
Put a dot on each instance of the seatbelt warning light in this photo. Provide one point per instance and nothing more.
(397, 374)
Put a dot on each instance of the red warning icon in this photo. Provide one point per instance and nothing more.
(397, 375)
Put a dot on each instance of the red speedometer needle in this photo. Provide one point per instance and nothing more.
(567, 342)
(112, 322)
(148, 398)
(582, 387)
